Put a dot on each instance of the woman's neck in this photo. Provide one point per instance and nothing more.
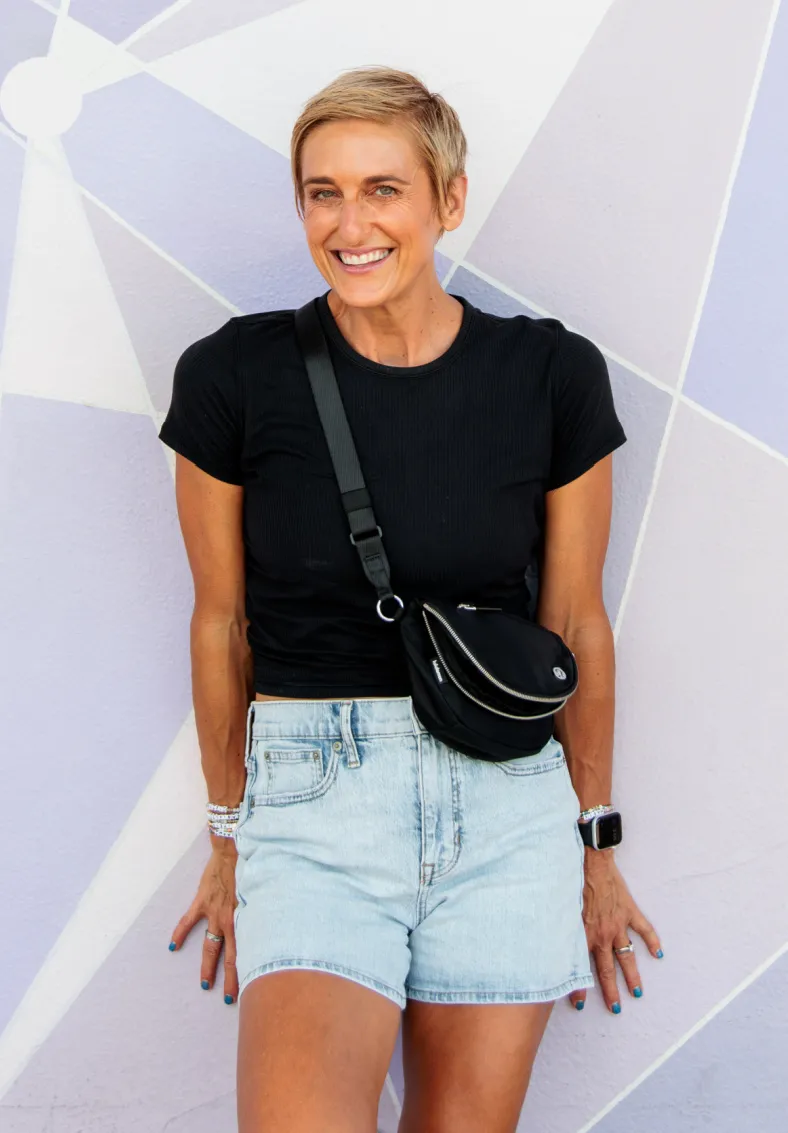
(410, 331)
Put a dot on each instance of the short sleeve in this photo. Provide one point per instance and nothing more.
(585, 424)
(205, 422)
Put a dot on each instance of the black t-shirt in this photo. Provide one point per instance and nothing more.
(457, 454)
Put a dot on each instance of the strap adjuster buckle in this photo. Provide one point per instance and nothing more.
(354, 539)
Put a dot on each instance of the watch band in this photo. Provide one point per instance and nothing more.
(587, 833)
(590, 829)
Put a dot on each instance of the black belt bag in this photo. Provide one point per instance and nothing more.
(484, 681)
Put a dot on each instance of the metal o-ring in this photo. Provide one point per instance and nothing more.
(390, 597)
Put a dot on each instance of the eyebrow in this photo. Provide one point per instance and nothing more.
(367, 180)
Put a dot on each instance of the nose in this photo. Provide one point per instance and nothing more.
(352, 225)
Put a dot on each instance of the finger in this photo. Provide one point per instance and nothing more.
(577, 999)
(184, 927)
(629, 967)
(211, 950)
(606, 970)
(230, 970)
(643, 927)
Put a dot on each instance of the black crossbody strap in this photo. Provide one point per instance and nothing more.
(365, 533)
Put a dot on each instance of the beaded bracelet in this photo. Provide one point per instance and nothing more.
(222, 820)
(602, 808)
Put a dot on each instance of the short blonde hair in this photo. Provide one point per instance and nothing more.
(381, 94)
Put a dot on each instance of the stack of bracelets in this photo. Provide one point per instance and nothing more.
(222, 820)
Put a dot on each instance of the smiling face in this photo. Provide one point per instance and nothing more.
(369, 210)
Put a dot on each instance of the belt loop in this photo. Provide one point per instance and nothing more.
(347, 734)
(248, 740)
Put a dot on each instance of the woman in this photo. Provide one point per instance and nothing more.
(377, 869)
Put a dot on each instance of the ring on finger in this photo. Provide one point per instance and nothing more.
(212, 936)
(628, 947)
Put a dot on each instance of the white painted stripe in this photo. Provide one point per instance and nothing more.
(447, 277)
(62, 13)
(741, 433)
(206, 287)
(723, 216)
(663, 1058)
(51, 8)
(163, 825)
(9, 133)
(160, 18)
(393, 1095)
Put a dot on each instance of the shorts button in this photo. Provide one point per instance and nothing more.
(337, 745)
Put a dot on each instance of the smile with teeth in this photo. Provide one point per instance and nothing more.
(367, 257)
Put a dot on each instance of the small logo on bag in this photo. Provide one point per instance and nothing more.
(438, 671)
(559, 673)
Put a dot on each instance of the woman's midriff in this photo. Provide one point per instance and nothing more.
(329, 699)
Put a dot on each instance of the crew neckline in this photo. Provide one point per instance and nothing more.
(452, 351)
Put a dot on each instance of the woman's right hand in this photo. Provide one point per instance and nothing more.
(216, 901)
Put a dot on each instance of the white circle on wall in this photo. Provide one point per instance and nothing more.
(39, 98)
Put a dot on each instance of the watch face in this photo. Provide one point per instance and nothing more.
(608, 830)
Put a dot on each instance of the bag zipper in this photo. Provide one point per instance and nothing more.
(493, 680)
(475, 699)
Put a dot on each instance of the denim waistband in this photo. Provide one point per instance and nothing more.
(331, 719)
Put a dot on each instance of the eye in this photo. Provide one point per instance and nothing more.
(387, 190)
(317, 194)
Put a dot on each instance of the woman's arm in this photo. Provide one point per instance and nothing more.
(210, 514)
(211, 519)
(571, 604)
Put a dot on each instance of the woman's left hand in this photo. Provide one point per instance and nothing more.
(611, 916)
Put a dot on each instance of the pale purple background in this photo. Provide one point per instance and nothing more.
(609, 222)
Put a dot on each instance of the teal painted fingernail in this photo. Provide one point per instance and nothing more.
(204, 985)
(172, 946)
(637, 992)
(580, 1004)
(616, 1008)
(228, 999)
(660, 954)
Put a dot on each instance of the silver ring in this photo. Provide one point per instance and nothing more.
(212, 936)
(390, 597)
(630, 947)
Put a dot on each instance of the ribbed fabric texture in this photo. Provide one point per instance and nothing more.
(457, 455)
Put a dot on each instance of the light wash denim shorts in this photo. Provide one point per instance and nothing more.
(369, 849)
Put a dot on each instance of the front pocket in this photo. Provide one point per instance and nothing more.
(291, 773)
(550, 758)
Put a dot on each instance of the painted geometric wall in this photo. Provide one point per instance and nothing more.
(629, 172)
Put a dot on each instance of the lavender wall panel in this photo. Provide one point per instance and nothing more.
(214, 199)
(740, 361)
(612, 211)
(94, 606)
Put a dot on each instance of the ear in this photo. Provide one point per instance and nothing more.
(454, 209)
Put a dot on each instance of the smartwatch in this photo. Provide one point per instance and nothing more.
(602, 830)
